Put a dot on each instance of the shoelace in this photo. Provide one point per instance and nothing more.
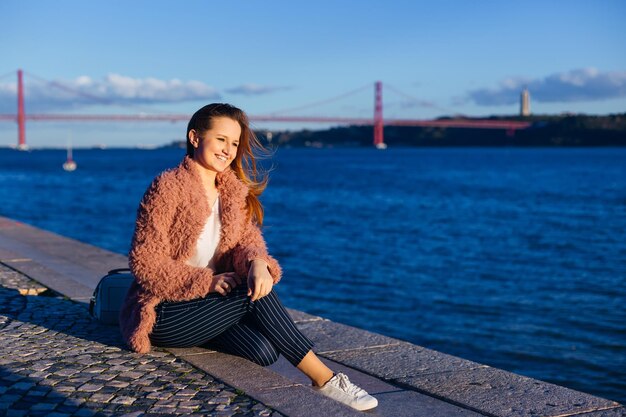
(347, 386)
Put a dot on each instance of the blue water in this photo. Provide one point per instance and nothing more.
(511, 257)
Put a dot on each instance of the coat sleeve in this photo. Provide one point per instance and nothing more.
(150, 258)
(251, 246)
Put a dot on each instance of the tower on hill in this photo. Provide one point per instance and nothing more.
(525, 103)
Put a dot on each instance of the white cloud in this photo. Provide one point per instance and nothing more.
(586, 84)
(255, 89)
(112, 89)
(84, 80)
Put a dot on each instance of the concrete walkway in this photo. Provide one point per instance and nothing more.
(56, 360)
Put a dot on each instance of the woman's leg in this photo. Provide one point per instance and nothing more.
(196, 322)
(315, 369)
(278, 326)
(245, 340)
(193, 323)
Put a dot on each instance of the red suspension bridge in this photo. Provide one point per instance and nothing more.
(377, 121)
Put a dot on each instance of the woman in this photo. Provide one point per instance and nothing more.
(202, 272)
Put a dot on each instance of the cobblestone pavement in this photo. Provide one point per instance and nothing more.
(55, 361)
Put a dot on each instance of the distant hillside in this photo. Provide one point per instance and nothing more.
(567, 130)
(561, 130)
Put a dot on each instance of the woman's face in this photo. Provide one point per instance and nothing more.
(217, 147)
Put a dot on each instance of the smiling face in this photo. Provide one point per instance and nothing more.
(216, 148)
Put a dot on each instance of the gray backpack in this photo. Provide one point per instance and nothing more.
(109, 295)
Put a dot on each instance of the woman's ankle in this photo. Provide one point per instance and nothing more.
(315, 369)
(315, 384)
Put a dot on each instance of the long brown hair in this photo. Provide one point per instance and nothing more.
(248, 151)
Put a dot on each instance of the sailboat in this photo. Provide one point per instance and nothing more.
(69, 164)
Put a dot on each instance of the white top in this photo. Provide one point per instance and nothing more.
(208, 240)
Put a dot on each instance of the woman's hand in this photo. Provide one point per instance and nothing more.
(260, 282)
(224, 283)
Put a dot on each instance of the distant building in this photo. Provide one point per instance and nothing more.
(525, 103)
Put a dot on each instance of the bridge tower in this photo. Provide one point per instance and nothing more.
(378, 116)
(21, 116)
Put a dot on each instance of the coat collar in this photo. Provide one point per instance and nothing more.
(227, 182)
(233, 193)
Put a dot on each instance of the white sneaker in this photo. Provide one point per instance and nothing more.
(339, 388)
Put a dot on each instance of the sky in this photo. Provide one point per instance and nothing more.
(267, 57)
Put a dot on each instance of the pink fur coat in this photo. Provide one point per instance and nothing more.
(170, 218)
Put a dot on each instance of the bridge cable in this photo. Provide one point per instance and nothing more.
(419, 102)
(317, 103)
(7, 74)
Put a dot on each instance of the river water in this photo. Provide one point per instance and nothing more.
(511, 257)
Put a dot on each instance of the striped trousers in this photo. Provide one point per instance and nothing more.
(257, 331)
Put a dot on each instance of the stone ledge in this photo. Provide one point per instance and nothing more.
(613, 412)
(401, 360)
(501, 393)
(468, 384)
